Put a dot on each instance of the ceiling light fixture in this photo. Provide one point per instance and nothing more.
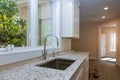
(103, 17)
(106, 8)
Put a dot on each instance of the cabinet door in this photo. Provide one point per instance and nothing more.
(81, 75)
(82, 72)
(70, 18)
(67, 19)
(86, 68)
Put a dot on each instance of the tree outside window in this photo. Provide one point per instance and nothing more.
(12, 28)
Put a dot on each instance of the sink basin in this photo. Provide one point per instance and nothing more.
(60, 64)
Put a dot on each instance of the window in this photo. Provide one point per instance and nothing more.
(13, 22)
(113, 41)
(45, 21)
(27, 22)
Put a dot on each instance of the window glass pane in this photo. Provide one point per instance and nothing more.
(46, 28)
(112, 41)
(13, 22)
(45, 21)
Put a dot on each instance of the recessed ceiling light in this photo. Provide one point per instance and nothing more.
(106, 8)
(103, 17)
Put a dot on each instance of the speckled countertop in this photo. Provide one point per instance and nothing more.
(32, 72)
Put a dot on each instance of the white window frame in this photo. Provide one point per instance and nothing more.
(32, 32)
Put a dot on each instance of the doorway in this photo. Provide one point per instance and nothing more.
(107, 37)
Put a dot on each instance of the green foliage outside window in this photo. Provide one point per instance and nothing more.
(12, 27)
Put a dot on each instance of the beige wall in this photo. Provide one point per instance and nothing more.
(23, 12)
(65, 44)
(107, 30)
(88, 40)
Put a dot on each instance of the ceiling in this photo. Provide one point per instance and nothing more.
(93, 10)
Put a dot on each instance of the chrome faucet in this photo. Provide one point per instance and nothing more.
(45, 40)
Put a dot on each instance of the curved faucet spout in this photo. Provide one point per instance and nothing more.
(45, 40)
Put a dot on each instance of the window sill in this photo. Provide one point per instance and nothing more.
(23, 50)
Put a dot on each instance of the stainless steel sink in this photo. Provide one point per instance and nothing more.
(60, 64)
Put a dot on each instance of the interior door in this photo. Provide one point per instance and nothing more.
(103, 45)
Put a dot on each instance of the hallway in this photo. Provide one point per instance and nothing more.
(106, 70)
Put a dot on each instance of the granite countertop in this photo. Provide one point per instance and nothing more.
(32, 72)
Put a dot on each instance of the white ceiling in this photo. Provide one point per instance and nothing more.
(92, 10)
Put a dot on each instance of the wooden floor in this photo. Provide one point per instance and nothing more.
(107, 70)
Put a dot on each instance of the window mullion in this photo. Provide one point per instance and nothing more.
(33, 24)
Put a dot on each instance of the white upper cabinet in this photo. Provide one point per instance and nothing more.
(70, 18)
